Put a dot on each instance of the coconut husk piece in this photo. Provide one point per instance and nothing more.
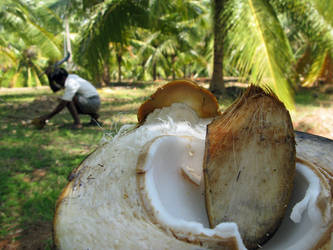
(38, 123)
(249, 165)
(202, 101)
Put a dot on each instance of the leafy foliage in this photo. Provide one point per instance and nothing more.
(265, 56)
(280, 43)
(25, 27)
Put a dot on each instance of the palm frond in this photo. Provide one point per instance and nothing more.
(112, 22)
(313, 24)
(7, 57)
(21, 20)
(259, 47)
(316, 67)
(325, 9)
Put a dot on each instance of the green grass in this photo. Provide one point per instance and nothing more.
(35, 164)
(312, 98)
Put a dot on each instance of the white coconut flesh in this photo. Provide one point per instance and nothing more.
(174, 196)
(170, 188)
(117, 202)
(178, 204)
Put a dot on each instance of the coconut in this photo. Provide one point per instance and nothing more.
(144, 189)
(199, 99)
(172, 199)
(250, 166)
(38, 123)
(314, 153)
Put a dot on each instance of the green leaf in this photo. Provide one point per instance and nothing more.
(312, 21)
(316, 68)
(260, 48)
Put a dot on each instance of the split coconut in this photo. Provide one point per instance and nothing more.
(144, 189)
(250, 166)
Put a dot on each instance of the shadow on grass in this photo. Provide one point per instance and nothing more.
(31, 178)
(34, 165)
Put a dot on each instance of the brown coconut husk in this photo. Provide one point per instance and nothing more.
(249, 165)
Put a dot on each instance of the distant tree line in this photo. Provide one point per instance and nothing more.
(281, 43)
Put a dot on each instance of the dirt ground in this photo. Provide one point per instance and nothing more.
(317, 120)
(36, 238)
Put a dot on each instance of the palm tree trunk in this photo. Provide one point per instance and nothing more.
(106, 70)
(68, 45)
(14, 79)
(29, 83)
(154, 72)
(106, 75)
(119, 60)
(217, 83)
(173, 60)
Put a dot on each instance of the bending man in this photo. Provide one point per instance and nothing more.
(80, 96)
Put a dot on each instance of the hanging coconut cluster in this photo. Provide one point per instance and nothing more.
(189, 177)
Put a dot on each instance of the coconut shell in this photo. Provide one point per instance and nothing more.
(102, 205)
(81, 210)
(316, 152)
(38, 123)
(202, 101)
(102, 208)
(249, 166)
(316, 149)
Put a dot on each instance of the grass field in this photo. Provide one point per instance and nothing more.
(34, 164)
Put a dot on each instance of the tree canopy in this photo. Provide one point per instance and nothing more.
(281, 44)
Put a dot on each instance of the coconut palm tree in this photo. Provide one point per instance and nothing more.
(220, 27)
(170, 53)
(314, 40)
(109, 22)
(120, 21)
(260, 44)
(71, 14)
(23, 26)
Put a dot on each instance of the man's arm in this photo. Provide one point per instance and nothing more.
(59, 107)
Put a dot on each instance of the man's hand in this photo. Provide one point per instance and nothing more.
(39, 122)
(44, 118)
(62, 104)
